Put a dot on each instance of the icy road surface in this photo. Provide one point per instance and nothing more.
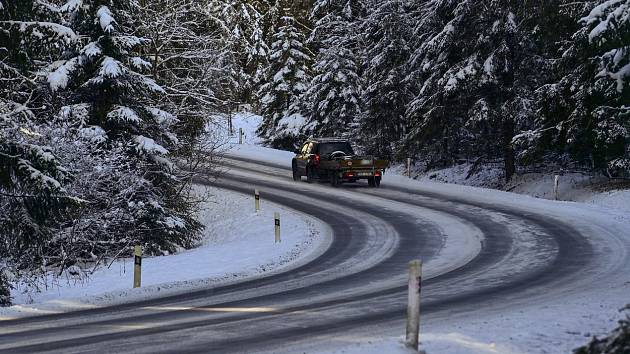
(503, 274)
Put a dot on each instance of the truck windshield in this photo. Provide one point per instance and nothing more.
(328, 148)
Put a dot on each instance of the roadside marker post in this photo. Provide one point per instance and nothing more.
(240, 136)
(409, 167)
(556, 185)
(413, 305)
(277, 223)
(257, 199)
(137, 271)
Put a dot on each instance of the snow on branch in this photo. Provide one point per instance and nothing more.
(59, 31)
(123, 114)
(149, 146)
(106, 19)
(59, 78)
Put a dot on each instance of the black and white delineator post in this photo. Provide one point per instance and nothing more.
(257, 199)
(240, 135)
(413, 305)
(556, 185)
(277, 223)
(137, 267)
(409, 167)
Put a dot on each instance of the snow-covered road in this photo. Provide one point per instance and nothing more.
(503, 273)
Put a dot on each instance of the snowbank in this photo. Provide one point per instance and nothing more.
(576, 187)
(238, 244)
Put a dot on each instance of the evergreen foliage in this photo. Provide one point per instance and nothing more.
(617, 342)
(5, 290)
(334, 96)
(113, 104)
(32, 179)
(585, 111)
(286, 80)
(386, 35)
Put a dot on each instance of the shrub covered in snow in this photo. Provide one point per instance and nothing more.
(5, 290)
(616, 343)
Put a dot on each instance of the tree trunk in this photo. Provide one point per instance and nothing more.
(508, 152)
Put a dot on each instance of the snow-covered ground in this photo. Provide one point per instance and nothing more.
(238, 243)
(560, 324)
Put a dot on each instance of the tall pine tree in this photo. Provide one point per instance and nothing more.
(113, 105)
(286, 80)
(334, 96)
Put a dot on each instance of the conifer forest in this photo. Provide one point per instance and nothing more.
(105, 104)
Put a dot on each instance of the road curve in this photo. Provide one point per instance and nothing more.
(476, 254)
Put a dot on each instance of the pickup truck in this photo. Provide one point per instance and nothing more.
(333, 160)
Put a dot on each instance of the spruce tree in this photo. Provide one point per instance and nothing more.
(113, 106)
(386, 34)
(476, 72)
(33, 197)
(286, 80)
(608, 29)
(334, 95)
(584, 115)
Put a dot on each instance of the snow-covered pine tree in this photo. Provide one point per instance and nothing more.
(476, 79)
(334, 95)
(5, 290)
(33, 198)
(584, 111)
(242, 25)
(113, 105)
(608, 28)
(286, 80)
(386, 34)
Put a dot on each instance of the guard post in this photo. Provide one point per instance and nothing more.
(556, 186)
(277, 223)
(413, 305)
(137, 269)
(257, 199)
(409, 167)
(240, 135)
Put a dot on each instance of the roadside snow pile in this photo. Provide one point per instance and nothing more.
(239, 243)
(575, 187)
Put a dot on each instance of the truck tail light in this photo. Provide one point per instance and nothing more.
(377, 174)
(317, 159)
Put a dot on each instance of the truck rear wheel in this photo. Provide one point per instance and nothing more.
(334, 179)
(371, 182)
(296, 173)
(310, 177)
(377, 181)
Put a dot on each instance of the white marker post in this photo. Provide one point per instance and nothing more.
(413, 306)
(409, 167)
(137, 271)
(277, 223)
(556, 185)
(257, 199)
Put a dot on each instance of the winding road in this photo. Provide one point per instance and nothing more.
(479, 256)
